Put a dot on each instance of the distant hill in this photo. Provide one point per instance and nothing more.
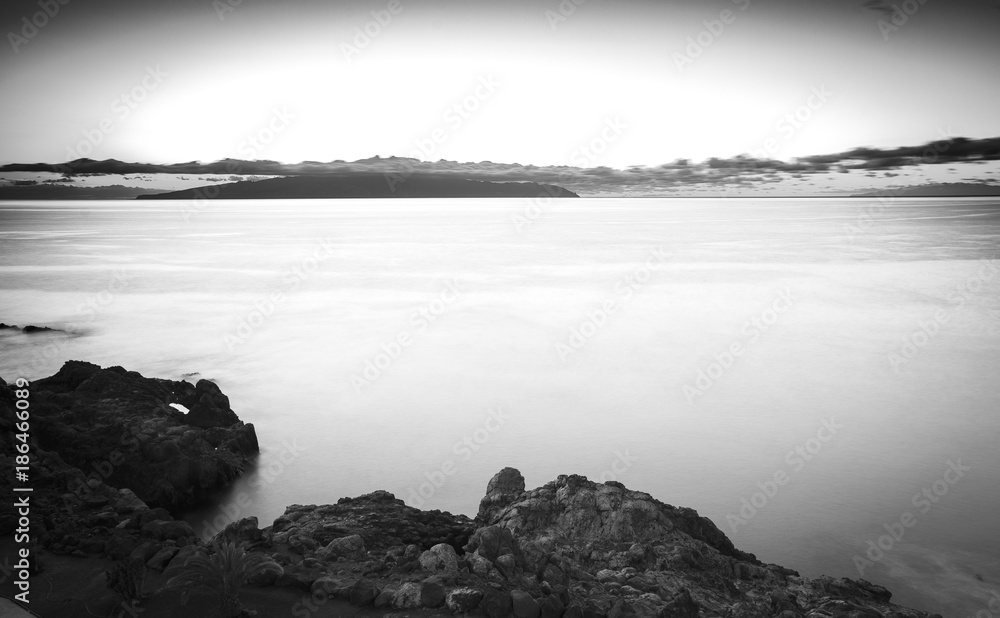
(947, 189)
(365, 186)
(45, 191)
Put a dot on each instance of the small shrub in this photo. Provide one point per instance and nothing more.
(127, 577)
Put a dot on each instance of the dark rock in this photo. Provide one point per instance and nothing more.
(120, 546)
(363, 592)
(298, 576)
(441, 557)
(242, 531)
(503, 489)
(145, 551)
(142, 517)
(31, 329)
(554, 575)
(623, 608)
(168, 530)
(431, 594)
(384, 598)
(523, 605)
(552, 606)
(463, 600)
(560, 591)
(380, 519)
(681, 606)
(407, 597)
(495, 603)
(162, 558)
(116, 426)
(208, 407)
(573, 611)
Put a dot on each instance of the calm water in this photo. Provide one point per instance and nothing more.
(287, 304)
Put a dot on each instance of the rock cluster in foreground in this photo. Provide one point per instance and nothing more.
(571, 548)
(113, 462)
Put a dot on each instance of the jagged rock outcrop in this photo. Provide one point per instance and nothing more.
(571, 548)
(380, 519)
(119, 427)
(30, 329)
(77, 511)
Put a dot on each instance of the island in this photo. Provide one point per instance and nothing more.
(364, 185)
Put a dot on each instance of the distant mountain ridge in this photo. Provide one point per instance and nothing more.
(366, 185)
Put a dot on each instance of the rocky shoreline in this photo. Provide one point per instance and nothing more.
(117, 457)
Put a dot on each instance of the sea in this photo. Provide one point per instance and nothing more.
(818, 376)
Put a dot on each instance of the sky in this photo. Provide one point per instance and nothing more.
(546, 82)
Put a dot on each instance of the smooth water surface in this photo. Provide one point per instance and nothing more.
(693, 349)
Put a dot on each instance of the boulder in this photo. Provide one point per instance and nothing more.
(168, 530)
(681, 606)
(380, 519)
(127, 502)
(120, 546)
(242, 531)
(495, 603)
(441, 557)
(463, 600)
(208, 407)
(363, 592)
(350, 547)
(523, 605)
(407, 597)
(162, 558)
(431, 594)
(503, 489)
(384, 598)
(551, 606)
